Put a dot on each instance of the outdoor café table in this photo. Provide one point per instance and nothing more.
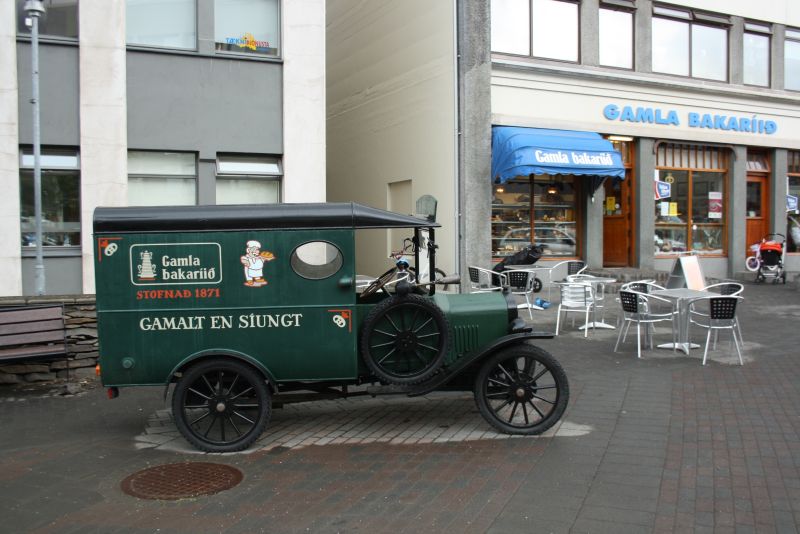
(595, 281)
(684, 297)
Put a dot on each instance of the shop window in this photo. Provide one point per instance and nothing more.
(170, 24)
(511, 30)
(248, 179)
(60, 19)
(692, 217)
(616, 38)
(61, 198)
(791, 55)
(162, 178)
(540, 211)
(688, 43)
(793, 217)
(756, 54)
(248, 26)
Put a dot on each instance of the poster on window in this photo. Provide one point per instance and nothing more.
(715, 205)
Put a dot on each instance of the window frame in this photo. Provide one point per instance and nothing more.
(26, 151)
(249, 175)
(694, 18)
(762, 29)
(607, 5)
(146, 176)
(236, 54)
(792, 174)
(695, 151)
(44, 37)
(530, 54)
(172, 49)
(791, 35)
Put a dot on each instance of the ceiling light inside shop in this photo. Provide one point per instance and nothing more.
(619, 138)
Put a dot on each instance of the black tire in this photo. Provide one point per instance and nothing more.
(221, 405)
(537, 285)
(405, 339)
(521, 390)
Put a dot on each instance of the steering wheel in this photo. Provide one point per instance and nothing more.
(379, 282)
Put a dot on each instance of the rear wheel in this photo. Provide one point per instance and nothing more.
(221, 405)
(522, 390)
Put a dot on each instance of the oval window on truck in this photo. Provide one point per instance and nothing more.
(316, 260)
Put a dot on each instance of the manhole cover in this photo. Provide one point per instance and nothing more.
(180, 481)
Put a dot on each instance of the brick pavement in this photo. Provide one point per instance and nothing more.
(659, 444)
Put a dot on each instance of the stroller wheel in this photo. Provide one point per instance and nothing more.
(537, 285)
(759, 278)
(752, 264)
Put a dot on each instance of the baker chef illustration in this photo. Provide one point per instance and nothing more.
(253, 262)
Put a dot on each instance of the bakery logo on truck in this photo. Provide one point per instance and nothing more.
(176, 264)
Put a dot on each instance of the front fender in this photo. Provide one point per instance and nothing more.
(465, 362)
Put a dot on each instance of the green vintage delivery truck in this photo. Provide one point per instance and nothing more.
(246, 308)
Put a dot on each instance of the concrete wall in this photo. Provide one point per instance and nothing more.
(391, 111)
(10, 252)
(304, 156)
(103, 118)
(475, 141)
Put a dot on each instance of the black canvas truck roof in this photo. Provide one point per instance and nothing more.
(340, 215)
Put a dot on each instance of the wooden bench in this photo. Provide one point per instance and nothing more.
(32, 332)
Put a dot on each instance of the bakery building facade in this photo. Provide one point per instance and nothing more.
(621, 132)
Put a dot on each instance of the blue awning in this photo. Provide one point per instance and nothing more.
(524, 151)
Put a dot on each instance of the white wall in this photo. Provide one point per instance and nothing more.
(304, 100)
(103, 117)
(10, 264)
(391, 111)
(559, 100)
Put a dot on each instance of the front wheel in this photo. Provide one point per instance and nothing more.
(522, 390)
(221, 405)
(752, 264)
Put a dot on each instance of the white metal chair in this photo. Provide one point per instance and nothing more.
(573, 267)
(721, 316)
(599, 292)
(575, 297)
(640, 308)
(485, 280)
(521, 283)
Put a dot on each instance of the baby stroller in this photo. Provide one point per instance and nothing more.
(767, 261)
(527, 256)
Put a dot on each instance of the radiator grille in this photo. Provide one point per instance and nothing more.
(465, 338)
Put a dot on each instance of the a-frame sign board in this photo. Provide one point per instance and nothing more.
(686, 272)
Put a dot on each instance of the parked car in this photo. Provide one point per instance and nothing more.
(553, 240)
(243, 308)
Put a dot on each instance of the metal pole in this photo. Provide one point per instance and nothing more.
(34, 13)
